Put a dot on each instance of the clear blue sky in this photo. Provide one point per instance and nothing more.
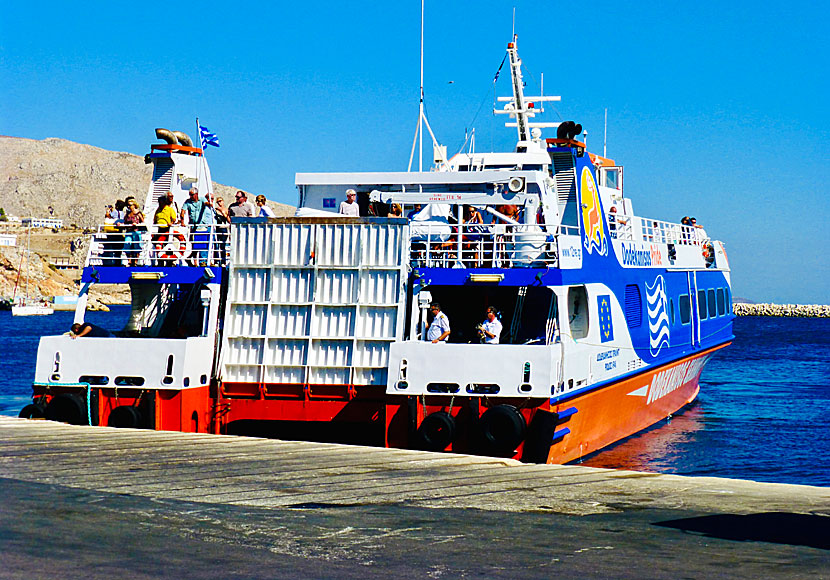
(716, 109)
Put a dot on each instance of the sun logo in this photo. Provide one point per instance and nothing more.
(592, 219)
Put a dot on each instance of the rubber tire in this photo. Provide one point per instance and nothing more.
(436, 432)
(125, 417)
(32, 411)
(502, 429)
(67, 408)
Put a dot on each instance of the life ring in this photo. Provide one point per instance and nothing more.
(174, 245)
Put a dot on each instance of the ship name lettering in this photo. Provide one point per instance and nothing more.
(634, 257)
(608, 354)
(670, 380)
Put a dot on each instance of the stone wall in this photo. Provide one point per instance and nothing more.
(799, 310)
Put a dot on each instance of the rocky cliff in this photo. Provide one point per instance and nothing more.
(76, 180)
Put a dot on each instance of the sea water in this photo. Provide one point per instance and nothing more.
(762, 413)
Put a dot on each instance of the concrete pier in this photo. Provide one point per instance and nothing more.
(94, 502)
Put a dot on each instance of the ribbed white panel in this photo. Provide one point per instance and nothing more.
(371, 354)
(329, 376)
(244, 351)
(286, 320)
(292, 286)
(286, 352)
(330, 352)
(248, 320)
(284, 374)
(251, 244)
(241, 373)
(250, 285)
(292, 245)
(382, 246)
(379, 287)
(327, 297)
(336, 287)
(338, 244)
(375, 322)
(364, 376)
(334, 322)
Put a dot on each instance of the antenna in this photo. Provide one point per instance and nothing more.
(605, 136)
(422, 118)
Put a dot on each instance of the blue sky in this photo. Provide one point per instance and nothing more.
(715, 109)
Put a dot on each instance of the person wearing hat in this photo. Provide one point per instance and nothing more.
(350, 207)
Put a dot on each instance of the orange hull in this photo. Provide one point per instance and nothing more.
(619, 410)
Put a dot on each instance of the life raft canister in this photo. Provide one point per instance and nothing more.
(173, 245)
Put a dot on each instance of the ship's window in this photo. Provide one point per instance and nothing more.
(442, 388)
(94, 380)
(728, 299)
(633, 306)
(701, 304)
(685, 306)
(710, 295)
(671, 310)
(721, 302)
(129, 381)
(578, 312)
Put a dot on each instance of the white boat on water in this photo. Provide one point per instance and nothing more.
(23, 309)
(21, 306)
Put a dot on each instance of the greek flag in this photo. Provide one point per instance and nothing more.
(208, 138)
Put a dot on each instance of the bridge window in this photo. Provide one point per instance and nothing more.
(685, 306)
(711, 300)
(721, 302)
(701, 304)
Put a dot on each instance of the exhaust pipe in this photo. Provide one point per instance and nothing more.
(183, 139)
(167, 135)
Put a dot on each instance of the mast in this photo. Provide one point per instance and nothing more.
(519, 106)
(518, 90)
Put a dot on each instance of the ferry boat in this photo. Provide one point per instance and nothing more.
(323, 326)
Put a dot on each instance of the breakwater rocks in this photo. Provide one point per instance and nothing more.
(796, 310)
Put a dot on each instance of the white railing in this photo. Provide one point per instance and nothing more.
(440, 245)
(153, 245)
(634, 228)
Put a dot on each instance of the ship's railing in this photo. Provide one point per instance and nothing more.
(155, 245)
(635, 228)
(437, 245)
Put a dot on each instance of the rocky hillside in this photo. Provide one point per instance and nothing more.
(75, 180)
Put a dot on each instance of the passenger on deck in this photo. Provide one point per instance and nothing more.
(88, 329)
(395, 211)
(172, 199)
(133, 226)
(164, 217)
(221, 212)
(350, 207)
(198, 213)
(264, 210)
(241, 207)
(439, 328)
(415, 210)
(490, 329)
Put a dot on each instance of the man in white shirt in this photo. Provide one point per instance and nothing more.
(439, 330)
(350, 207)
(490, 329)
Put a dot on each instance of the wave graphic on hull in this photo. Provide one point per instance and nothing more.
(658, 317)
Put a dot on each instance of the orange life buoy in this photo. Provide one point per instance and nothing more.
(174, 245)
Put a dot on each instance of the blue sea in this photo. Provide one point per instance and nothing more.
(762, 414)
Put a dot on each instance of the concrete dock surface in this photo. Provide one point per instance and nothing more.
(95, 502)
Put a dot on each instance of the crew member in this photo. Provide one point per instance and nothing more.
(439, 329)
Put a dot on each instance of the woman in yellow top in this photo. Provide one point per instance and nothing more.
(164, 217)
